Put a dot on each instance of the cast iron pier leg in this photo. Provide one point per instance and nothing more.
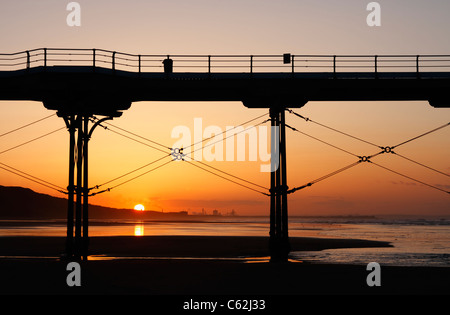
(279, 237)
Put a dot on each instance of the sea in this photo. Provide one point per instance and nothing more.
(416, 240)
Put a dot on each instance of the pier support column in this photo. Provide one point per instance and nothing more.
(71, 123)
(279, 236)
(85, 192)
(79, 189)
(78, 208)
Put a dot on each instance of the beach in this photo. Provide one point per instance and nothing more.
(201, 265)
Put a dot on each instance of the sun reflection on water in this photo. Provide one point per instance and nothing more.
(139, 230)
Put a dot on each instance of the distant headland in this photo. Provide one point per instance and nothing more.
(18, 203)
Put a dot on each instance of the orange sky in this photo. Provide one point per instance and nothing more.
(240, 27)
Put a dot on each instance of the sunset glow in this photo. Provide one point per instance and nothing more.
(238, 27)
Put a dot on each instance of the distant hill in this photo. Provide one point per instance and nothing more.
(23, 203)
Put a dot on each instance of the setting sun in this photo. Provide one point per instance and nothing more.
(139, 207)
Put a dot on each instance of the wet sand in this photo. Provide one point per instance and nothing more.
(189, 265)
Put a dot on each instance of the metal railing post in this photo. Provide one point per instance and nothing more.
(209, 64)
(292, 62)
(251, 64)
(139, 58)
(93, 58)
(28, 59)
(334, 66)
(417, 66)
(45, 57)
(114, 61)
(376, 66)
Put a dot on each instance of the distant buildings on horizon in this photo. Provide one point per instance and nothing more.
(215, 212)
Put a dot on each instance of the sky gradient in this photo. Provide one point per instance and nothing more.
(240, 27)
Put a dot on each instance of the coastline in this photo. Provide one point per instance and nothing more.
(203, 265)
(173, 246)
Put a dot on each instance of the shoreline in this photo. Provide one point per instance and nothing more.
(169, 274)
(173, 246)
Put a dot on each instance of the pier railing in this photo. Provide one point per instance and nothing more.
(283, 63)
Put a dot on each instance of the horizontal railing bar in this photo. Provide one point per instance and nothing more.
(69, 60)
(20, 52)
(100, 55)
(355, 61)
(126, 59)
(245, 61)
(434, 66)
(103, 61)
(22, 57)
(68, 54)
(15, 58)
(412, 66)
(373, 56)
(177, 55)
(343, 67)
(399, 61)
(240, 67)
(309, 60)
(330, 66)
(13, 65)
(126, 65)
(442, 60)
(73, 49)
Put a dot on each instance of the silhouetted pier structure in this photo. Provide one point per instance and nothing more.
(82, 83)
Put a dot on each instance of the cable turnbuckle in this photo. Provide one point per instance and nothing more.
(178, 154)
(387, 149)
